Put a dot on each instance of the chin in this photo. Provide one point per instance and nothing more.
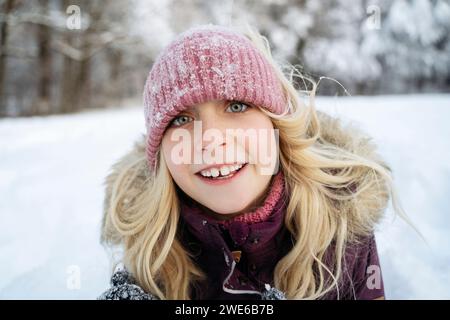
(226, 208)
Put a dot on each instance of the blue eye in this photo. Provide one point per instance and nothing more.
(237, 107)
(181, 120)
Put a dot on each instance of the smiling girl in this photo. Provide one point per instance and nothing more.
(204, 217)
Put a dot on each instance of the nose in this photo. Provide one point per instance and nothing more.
(213, 134)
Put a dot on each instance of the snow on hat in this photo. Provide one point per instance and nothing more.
(204, 63)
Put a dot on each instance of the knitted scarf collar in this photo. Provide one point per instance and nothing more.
(260, 214)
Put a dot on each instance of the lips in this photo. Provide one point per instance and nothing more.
(222, 171)
(221, 174)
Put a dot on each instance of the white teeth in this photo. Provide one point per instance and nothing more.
(223, 171)
(214, 172)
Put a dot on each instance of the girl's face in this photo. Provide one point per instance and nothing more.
(218, 153)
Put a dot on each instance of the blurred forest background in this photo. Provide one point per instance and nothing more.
(62, 56)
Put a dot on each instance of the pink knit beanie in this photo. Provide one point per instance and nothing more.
(205, 63)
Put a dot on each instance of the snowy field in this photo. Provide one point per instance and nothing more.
(52, 170)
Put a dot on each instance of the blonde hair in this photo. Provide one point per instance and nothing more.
(329, 206)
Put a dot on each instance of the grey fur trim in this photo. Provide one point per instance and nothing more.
(123, 287)
(271, 293)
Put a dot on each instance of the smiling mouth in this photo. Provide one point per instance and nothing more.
(216, 174)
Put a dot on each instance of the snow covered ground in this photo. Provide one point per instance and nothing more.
(52, 170)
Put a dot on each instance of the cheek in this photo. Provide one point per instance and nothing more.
(175, 169)
(257, 121)
(262, 147)
(180, 172)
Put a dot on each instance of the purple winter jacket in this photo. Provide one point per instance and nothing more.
(262, 245)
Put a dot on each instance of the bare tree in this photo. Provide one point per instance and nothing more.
(8, 6)
(42, 104)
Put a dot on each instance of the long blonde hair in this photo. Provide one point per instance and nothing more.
(329, 206)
